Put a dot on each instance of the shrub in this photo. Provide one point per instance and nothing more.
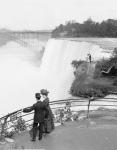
(114, 54)
(98, 69)
(20, 125)
(10, 134)
(105, 64)
(76, 63)
(86, 85)
(89, 90)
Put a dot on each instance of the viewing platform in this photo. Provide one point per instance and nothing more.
(92, 129)
(70, 136)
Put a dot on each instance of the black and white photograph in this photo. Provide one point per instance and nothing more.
(58, 74)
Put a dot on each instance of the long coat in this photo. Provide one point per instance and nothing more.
(39, 111)
(49, 122)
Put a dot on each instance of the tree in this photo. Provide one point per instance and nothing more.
(106, 28)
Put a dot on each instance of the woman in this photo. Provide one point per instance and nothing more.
(49, 123)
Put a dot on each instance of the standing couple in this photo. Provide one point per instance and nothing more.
(42, 115)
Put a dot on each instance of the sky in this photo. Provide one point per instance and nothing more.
(47, 14)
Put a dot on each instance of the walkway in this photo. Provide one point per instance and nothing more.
(73, 136)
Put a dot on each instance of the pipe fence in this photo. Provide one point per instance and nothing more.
(72, 107)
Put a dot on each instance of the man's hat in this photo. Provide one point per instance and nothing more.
(44, 92)
(37, 95)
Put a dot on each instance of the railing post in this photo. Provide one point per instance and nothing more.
(88, 109)
(91, 99)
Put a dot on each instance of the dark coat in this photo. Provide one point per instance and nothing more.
(46, 101)
(39, 111)
(49, 122)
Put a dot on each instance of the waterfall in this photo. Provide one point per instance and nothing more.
(56, 70)
(21, 77)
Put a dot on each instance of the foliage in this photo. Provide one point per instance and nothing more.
(84, 86)
(10, 134)
(17, 127)
(101, 65)
(89, 90)
(88, 28)
(64, 114)
(77, 63)
(105, 64)
(114, 54)
(20, 125)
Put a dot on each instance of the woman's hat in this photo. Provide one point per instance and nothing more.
(44, 92)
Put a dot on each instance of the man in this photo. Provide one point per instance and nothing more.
(39, 116)
(89, 57)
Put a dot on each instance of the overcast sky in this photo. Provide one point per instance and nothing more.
(46, 14)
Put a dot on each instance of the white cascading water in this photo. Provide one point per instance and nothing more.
(56, 69)
(21, 77)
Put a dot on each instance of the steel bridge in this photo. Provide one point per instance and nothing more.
(25, 39)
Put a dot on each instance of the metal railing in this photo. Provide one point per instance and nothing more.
(75, 104)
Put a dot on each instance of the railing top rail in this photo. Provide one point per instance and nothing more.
(105, 100)
(71, 100)
(82, 99)
(9, 114)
